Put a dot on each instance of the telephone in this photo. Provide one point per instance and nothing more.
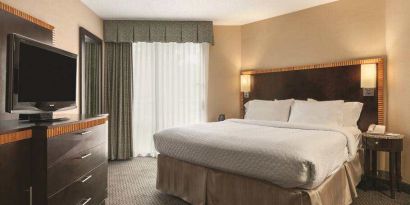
(376, 129)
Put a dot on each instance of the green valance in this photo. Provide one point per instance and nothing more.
(158, 31)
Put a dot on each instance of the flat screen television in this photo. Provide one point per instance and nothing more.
(40, 77)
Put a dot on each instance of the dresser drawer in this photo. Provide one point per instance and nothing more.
(67, 171)
(64, 146)
(91, 187)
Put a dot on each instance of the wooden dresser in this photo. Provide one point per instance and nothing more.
(68, 163)
(15, 165)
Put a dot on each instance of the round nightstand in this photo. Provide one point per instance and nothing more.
(393, 144)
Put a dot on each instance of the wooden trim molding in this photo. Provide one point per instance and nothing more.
(15, 136)
(55, 131)
(25, 16)
(317, 66)
(380, 77)
(380, 93)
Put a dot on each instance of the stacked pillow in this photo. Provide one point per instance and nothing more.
(351, 112)
(277, 110)
(324, 113)
(331, 113)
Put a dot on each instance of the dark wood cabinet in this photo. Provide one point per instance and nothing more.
(70, 162)
(15, 175)
(87, 188)
(54, 163)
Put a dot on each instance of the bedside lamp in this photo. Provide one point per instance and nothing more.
(368, 77)
(245, 85)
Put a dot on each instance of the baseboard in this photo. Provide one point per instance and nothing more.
(382, 184)
(404, 187)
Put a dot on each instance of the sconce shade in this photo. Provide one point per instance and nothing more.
(245, 83)
(368, 76)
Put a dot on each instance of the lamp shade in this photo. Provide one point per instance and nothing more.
(368, 76)
(245, 83)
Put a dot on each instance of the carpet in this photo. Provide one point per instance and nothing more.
(133, 183)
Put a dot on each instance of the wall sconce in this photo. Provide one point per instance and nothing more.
(245, 85)
(368, 77)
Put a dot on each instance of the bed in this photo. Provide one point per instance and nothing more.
(245, 161)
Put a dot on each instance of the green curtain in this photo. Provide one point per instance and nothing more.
(93, 79)
(118, 72)
(124, 31)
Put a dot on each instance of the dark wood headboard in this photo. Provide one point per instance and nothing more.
(332, 81)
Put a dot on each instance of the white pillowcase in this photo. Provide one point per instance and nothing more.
(277, 110)
(324, 113)
(351, 112)
(246, 105)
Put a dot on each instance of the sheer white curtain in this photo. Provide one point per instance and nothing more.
(170, 89)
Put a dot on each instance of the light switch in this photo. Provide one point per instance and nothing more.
(368, 91)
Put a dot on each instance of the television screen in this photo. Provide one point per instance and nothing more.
(40, 77)
(45, 76)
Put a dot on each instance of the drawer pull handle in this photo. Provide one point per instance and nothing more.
(30, 190)
(85, 132)
(85, 155)
(377, 142)
(86, 179)
(85, 201)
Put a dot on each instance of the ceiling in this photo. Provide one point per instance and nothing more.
(221, 12)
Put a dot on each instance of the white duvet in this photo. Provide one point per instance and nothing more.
(288, 155)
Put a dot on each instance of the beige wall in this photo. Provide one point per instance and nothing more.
(398, 73)
(224, 68)
(342, 30)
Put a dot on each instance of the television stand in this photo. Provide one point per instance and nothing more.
(41, 117)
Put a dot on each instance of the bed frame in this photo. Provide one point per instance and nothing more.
(330, 81)
(201, 185)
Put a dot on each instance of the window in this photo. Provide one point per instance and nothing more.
(170, 88)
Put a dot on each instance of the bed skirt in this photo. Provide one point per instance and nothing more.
(199, 185)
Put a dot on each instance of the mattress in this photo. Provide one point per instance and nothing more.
(285, 154)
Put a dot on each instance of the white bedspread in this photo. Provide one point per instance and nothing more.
(288, 155)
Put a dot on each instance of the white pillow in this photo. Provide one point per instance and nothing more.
(246, 105)
(268, 110)
(290, 100)
(351, 113)
(324, 113)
